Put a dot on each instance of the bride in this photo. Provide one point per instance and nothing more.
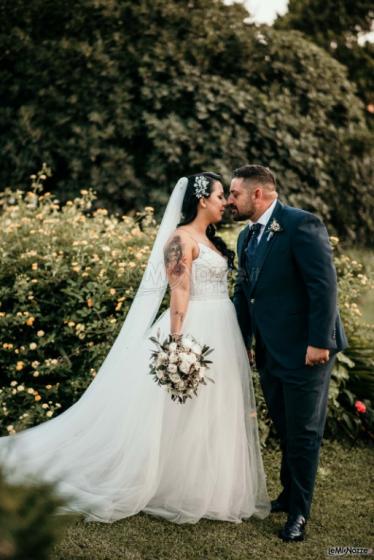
(125, 446)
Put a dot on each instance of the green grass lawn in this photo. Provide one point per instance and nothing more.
(342, 515)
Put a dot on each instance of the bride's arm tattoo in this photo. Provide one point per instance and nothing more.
(179, 314)
(173, 256)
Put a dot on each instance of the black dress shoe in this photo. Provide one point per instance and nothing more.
(277, 506)
(294, 529)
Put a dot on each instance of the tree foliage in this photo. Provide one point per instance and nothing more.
(337, 26)
(125, 97)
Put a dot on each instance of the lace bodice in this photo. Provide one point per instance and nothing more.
(209, 275)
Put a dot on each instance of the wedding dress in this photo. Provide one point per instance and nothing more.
(126, 447)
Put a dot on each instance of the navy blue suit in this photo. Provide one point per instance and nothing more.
(286, 299)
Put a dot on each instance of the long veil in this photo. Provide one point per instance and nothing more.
(119, 415)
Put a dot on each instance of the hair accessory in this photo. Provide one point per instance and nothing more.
(200, 185)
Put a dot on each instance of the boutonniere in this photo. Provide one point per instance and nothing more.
(274, 227)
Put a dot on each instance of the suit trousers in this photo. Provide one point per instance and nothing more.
(297, 404)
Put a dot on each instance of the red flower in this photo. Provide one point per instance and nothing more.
(360, 407)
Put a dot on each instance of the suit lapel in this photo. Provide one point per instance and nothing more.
(266, 243)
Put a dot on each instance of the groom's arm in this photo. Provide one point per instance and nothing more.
(313, 254)
(241, 307)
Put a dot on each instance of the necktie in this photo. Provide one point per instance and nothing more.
(254, 232)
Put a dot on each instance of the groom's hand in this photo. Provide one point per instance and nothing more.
(316, 356)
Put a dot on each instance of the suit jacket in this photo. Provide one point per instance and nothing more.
(288, 294)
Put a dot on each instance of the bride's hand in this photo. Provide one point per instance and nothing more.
(176, 336)
(251, 357)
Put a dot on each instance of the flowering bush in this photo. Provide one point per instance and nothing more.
(68, 276)
(353, 372)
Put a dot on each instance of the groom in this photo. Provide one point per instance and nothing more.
(286, 302)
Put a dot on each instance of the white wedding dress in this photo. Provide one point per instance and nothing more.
(126, 447)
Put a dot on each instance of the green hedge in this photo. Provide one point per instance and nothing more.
(126, 96)
(29, 528)
(68, 275)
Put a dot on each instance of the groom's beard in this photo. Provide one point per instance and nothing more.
(238, 217)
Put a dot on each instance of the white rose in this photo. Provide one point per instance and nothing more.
(172, 368)
(160, 375)
(183, 356)
(175, 378)
(187, 343)
(173, 358)
(185, 367)
(192, 359)
(172, 346)
(181, 385)
(163, 356)
(196, 348)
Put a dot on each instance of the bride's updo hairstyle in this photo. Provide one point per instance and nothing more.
(189, 211)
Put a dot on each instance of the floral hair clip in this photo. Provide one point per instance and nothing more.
(200, 186)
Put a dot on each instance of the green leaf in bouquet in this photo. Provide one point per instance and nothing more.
(154, 340)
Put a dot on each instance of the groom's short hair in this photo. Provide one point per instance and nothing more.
(257, 174)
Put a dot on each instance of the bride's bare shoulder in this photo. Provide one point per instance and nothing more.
(181, 242)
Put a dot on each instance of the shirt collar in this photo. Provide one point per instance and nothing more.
(264, 218)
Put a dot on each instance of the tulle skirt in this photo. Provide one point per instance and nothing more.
(126, 447)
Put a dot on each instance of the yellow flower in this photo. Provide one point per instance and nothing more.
(35, 364)
(20, 366)
(30, 321)
(112, 291)
(119, 305)
(48, 386)
(35, 374)
(40, 333)
(33, 346)
(50, 413)
(37, 397)
(34, 266)
(90, 302)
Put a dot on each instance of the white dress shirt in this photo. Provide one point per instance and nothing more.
(263, 219)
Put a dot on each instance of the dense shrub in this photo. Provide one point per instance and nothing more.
(126, 96)
(68, 275)
(28, 527)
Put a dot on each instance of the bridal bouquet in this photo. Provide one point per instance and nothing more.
(180, 366)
